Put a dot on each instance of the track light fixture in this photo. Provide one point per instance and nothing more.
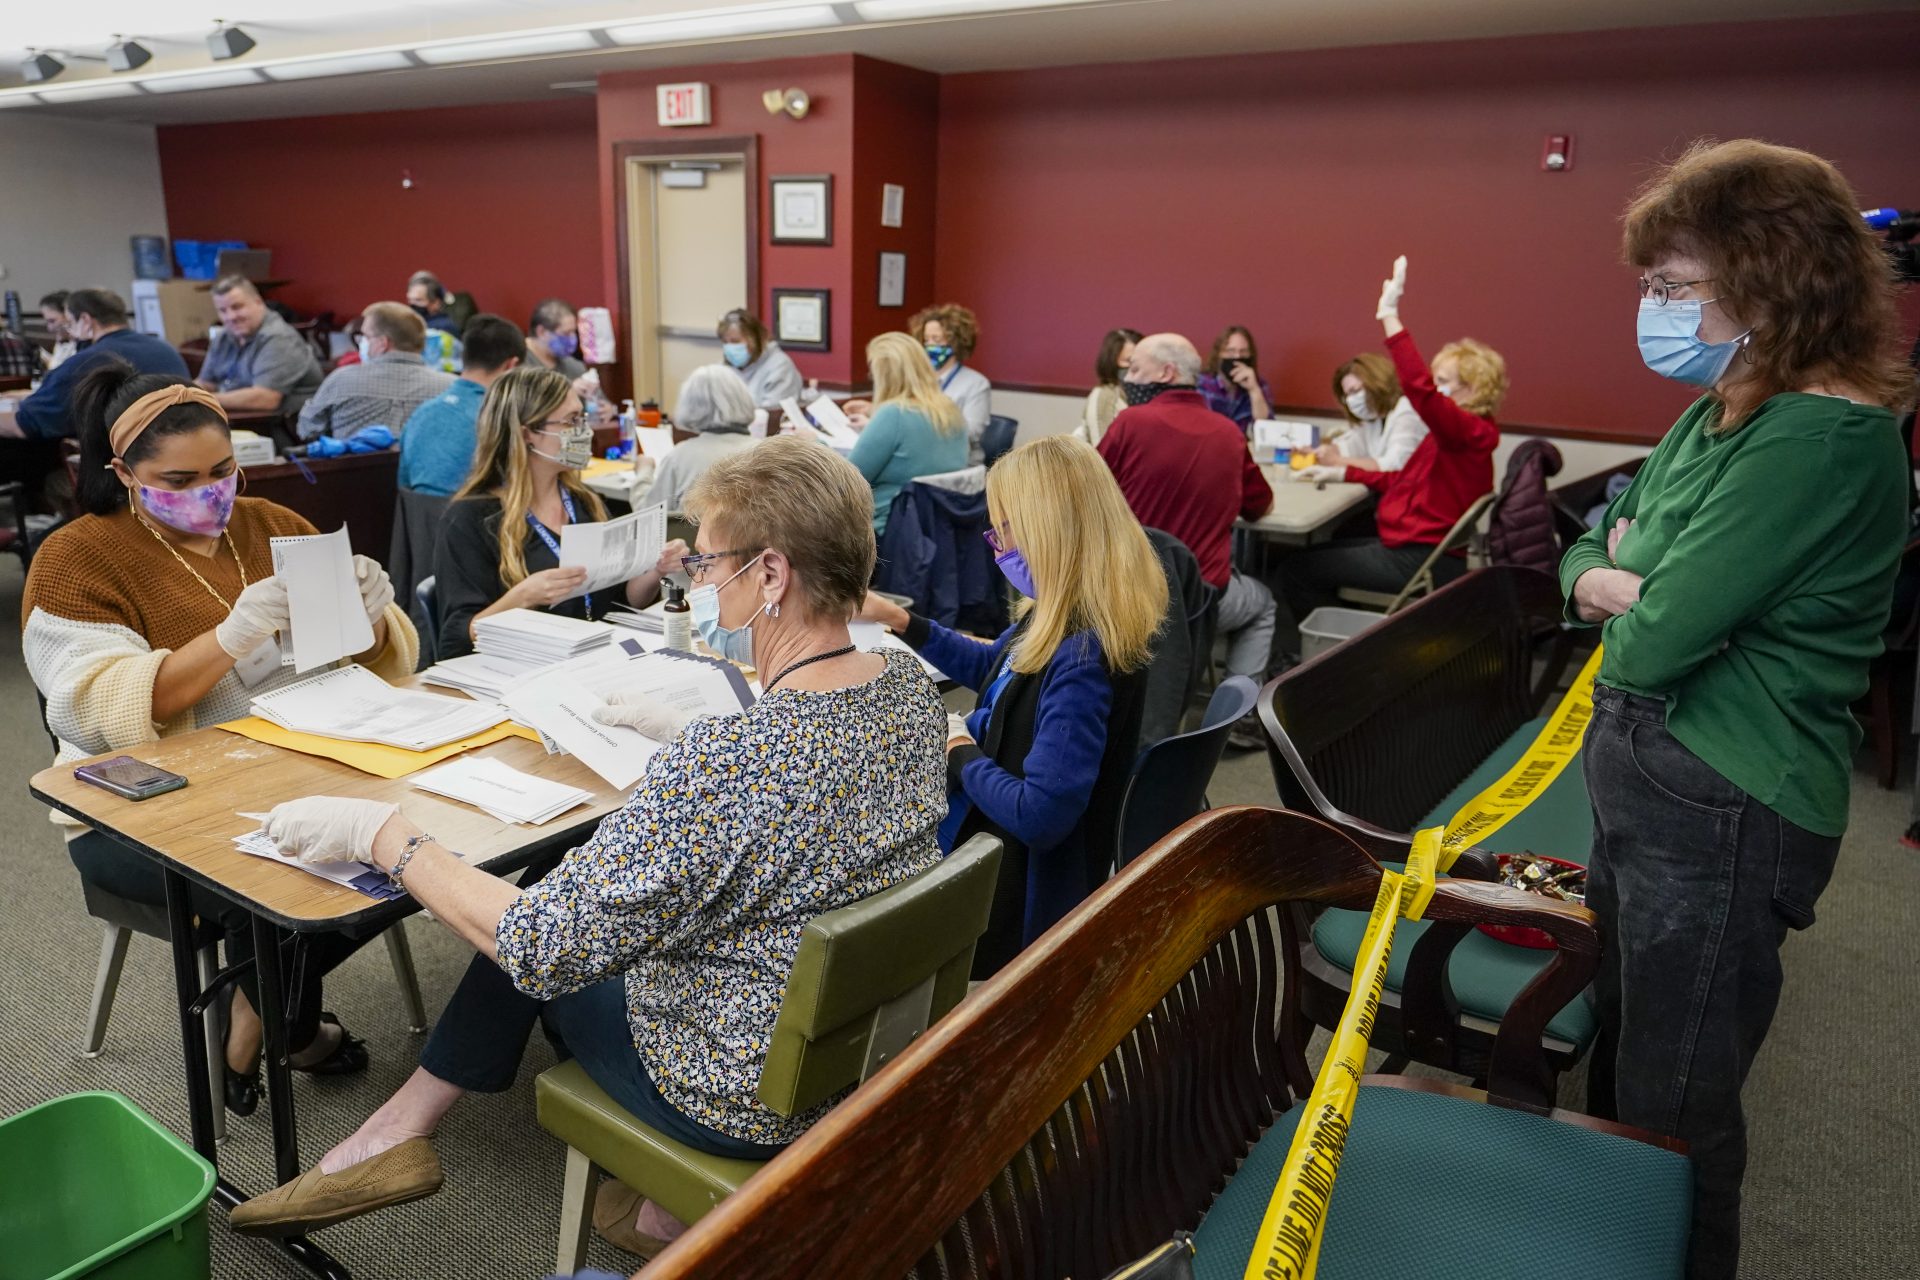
(128, 55)
(228, 42)
(40, 66)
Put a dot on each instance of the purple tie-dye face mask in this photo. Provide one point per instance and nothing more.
(203, 512)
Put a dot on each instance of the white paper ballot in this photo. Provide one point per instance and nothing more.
(655, 442)
(328, 621)
(790, 415)
(833, 422)
(501, 790)
(1271, 433)
(355, 705)
(613, 551)
(560, 702)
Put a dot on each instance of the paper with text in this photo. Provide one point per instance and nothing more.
(328, 622)
(615, 551)
(835, 426)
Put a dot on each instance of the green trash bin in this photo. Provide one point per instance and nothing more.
(90, 1185)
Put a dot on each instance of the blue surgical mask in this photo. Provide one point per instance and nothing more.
(736, 354)
(1671, 345)
(1014, 565)
(735, 644)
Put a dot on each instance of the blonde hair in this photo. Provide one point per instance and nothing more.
(808, 503)
(1093, 568)
(1377, 381)
(518, 399)
(901, 375)
(1483, 369)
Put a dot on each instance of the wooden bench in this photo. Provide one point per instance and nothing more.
(1100, 1092)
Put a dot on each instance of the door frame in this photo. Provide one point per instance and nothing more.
(746, 146)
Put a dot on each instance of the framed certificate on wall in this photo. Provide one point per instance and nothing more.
(893, 279)
(803, 209)
(801, 320)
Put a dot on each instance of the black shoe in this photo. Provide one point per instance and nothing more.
(243, 1091)
(349, 1057)
(1247, 734)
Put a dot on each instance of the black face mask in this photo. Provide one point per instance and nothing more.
(1228, 364)
(1138, 393)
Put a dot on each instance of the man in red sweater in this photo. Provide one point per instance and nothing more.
(1187, 471)
(1419, 503)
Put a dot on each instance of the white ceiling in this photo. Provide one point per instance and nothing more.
(1078, 31)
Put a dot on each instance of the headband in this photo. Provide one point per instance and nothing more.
(140, 414)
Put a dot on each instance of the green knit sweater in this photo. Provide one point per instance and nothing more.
(1769, 558)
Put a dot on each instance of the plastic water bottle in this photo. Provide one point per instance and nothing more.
(813, 391)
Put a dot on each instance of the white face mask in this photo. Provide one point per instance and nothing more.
(1357, 405)
(364, 345)
(576, 447)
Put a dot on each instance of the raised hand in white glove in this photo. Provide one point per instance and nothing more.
(1319, 474)
(1390, 292)
(376, 588)
(327, 828)
(957, 730)
(652, 717)
(260, 611)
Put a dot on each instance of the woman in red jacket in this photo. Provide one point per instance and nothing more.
(1420, 502)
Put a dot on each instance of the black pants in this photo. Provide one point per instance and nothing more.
(305, 958)
(1696, 884)
(1306, 580)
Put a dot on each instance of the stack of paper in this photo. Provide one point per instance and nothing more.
(356, 705)
(328, 622)
(614, 551)
(367, 879)
(506, 793)
(535, 638)
(478, 674)
(650, 621)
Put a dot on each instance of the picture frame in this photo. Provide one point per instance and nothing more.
(893, 198)
(893, 279)
(803, 319)
(802, 209)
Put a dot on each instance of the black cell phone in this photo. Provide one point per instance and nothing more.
(125, 776)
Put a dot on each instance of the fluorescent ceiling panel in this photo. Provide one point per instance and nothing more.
(346, 64)
(507, 47)
(85, 92)
(201, 80)
(18, 100)
(735, 23)
(885, 10)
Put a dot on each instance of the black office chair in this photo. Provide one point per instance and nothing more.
(1168, 782)
(997, 439)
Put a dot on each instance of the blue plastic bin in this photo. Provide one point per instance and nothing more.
(198, 258)
(91, 1186)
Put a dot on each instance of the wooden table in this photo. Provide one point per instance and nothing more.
(189, 833)
(358, 490)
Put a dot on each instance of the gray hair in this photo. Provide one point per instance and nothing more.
(235, 284)
(1170, 348)
(713, 396)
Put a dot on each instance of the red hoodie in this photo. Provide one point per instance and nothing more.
(1452, 467)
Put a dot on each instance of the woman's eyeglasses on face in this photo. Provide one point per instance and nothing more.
(574, 423)
(999, 544)
(1660, 289)
(697, 566)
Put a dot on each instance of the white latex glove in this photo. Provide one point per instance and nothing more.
(1390, 292)
(327, 828)
(260, 611)
(376, 588)
(652, 717)
(957, 728)
(1317, 474)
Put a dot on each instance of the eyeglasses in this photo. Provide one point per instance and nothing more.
(577, 421)
(696, 566)
(999, 544)
(1660, 290)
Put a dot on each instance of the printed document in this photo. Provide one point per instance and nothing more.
(614, 551)
(835, 427)
(328, 622)
(355, 704)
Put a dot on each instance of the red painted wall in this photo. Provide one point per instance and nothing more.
(504, 202)
(821, 143)
(1275, 190)
(896, 134)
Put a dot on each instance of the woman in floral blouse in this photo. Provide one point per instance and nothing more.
(659, 950)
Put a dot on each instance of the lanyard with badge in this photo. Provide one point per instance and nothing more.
(264, 662)
(566, 501)
(948, 380)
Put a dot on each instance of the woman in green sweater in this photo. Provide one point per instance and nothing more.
(915, 430)
(1741, 584)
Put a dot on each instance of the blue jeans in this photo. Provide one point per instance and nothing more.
(482, 1036)
(1695, 883)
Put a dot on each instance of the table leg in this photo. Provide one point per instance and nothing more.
(186, 981)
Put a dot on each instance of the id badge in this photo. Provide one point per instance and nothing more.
(259, 666)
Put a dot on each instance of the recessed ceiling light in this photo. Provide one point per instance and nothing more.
(86, 90)
(226, 79)
(882, 10)
(736, 23)
(507, 47)
(18, 100)
(347, 64)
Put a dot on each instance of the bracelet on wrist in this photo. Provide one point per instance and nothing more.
(407, 851)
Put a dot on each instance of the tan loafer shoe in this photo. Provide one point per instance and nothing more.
(615, 1208)
(410, 1171)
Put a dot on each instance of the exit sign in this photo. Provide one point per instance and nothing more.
(684, 104)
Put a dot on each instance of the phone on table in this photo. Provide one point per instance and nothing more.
(125, 776)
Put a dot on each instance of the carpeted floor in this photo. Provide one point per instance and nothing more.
(1834, 1162)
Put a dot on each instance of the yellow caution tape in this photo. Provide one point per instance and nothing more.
(1287, 1246)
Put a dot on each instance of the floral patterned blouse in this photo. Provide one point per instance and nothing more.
(697, 889)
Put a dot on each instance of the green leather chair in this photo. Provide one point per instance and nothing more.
(867, 980)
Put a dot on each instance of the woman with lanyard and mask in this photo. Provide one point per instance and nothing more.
(1042, 759)
(155, 614)
(500, 542)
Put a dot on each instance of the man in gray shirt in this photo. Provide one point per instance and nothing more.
(257, 362)
(389, 383)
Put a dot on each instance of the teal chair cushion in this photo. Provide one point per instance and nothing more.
(1486, 973)
(1444, 1188)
